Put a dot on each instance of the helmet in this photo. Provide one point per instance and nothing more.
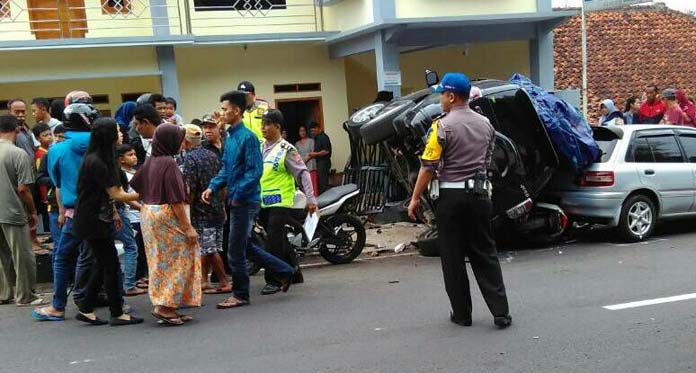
(79, 116)
(76, 97)
(143, 99)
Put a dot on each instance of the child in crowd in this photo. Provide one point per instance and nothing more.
(42, 133)
(44, 137)
(673, 114)
(43, 180)
(171, 116)
(127, 160)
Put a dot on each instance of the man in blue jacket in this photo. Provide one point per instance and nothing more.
(63, 167)
(242, 166)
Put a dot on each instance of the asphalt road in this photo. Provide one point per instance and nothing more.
(391, 315)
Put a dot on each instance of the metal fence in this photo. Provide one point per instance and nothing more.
(371, 168)
(62, 19)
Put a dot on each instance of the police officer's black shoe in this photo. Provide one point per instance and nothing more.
(503, 321)
(458, 321)
(270, 289)
(297, 278)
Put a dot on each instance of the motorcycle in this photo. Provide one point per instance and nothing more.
(339, 236)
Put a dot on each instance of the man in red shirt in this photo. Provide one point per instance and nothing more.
(653, 109)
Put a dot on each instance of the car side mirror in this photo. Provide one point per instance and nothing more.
(431, 78)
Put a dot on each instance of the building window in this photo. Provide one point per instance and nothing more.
(5, 9)
(296, 88)
(238, 5)
(116, 6)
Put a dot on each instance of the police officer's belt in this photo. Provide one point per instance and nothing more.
(466, 184)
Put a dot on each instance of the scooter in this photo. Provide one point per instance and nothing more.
(339, 236)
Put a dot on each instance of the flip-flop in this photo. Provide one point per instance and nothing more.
(171, 320)
(40, 316)
(217, 291)
(227, 304)
(184, 318)
(34, 303)
(134, 292)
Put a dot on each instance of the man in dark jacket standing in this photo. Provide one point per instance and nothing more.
(322, 154)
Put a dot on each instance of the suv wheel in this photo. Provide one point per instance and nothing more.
(638, 218)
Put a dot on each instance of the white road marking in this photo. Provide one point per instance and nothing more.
(650, 302)
(646, 242)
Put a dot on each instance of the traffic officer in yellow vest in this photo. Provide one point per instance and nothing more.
(253, 115)
(459, 149)
(282, 168)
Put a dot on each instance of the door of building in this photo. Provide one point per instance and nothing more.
(57, 19)
(300, 112)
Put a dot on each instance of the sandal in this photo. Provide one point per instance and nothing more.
(217, 290)
(134, 292)
(142, 284)
(232, 302)
(95, 322)
(185, 318)
(40, 314)
(168, 320)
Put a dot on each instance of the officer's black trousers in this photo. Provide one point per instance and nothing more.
(274, 220)
(464, 230)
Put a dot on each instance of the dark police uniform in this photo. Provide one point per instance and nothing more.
(460, 147)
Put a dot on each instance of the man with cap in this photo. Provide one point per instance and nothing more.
(282, 168)
(254, 110)
(213, 135)
(242, 167)
(459, 149)
(199, 167)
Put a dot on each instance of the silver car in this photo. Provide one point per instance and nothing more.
(646, 173)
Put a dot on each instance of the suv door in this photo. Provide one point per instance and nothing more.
(661, 166)
(687, 139)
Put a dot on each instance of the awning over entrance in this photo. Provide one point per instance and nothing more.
(391, 36)
(440, 31)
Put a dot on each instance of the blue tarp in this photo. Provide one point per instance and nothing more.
(570, 134)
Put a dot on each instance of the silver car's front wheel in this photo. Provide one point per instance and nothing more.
(638, 218)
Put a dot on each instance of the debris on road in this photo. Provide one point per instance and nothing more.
(400, 248)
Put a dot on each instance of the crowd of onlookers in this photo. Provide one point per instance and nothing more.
(671, 106)
(180, 198)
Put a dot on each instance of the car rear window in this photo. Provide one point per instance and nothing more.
(607, 149)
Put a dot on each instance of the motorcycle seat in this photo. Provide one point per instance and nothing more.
(334, 194)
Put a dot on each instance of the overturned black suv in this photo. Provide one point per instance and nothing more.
(387, 139)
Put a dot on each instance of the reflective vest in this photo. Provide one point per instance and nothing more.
(277, 183)
(253, 118)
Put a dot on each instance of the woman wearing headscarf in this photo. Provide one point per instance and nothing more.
(98, 186)
(687, 107)
(610, 115)
(124, 116)
(171, 241)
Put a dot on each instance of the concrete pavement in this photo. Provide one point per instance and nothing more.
(391, 315)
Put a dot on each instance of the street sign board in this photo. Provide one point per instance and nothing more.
(392, 78)
(609, 4)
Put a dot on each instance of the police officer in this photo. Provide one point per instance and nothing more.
(253, 115)
(282, 168)
(459, 149)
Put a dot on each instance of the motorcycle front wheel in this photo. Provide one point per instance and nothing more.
(344, 240)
